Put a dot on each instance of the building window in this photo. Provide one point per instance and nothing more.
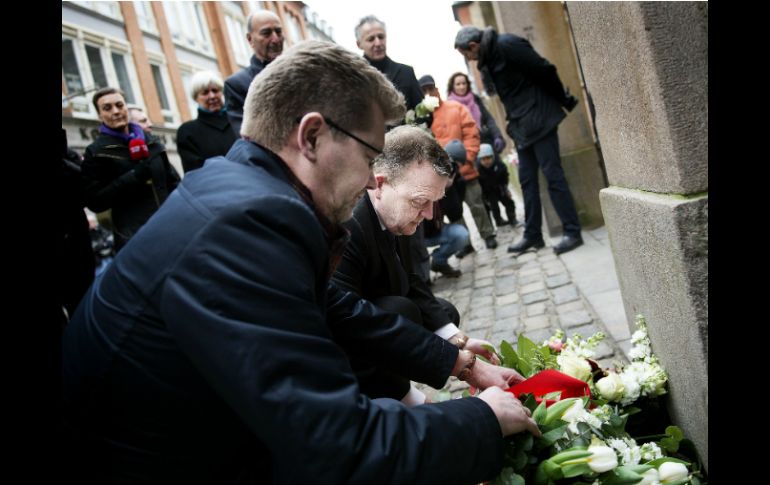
(145, 17)
(161, 80)
(295, 32)
(87, 67)
(108, 9)
(236, 30)
(119, 62)
(187, 24)
(97, 66)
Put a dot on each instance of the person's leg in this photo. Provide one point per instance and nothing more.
(509, 204)
(493, 201)
(480, 216)
(547, 153)
(533, 217)
(452, 238)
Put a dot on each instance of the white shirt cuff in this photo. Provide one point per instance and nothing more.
(414, 397)
(447, 331)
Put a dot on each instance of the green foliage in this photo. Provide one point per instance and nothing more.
(671, 442)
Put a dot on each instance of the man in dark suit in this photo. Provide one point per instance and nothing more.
(213, 349)
(264, 33)
(411, 174)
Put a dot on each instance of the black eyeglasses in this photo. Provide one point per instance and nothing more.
(345, 132)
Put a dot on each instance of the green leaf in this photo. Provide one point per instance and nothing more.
(550, 437)
(576, 470)
(529, 401)
(505, 477)
(620, 476)
(557, 409)
(526, 349)
(519, 460)
(552, 396)
(540, 413)
(656, 463)
(510, 358)
(528, 443)
(675, 432)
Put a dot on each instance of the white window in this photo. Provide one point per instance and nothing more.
(236, 30)
(90, 62)
(165, 96)
(187, 74)
(188, 26)
(145, 17)
(109, 9)
(295, 32)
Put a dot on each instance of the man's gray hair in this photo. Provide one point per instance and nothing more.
(201, 81)
(407, 144)
(466, 35)
(369, 19)
(315, 76)
(250, 18)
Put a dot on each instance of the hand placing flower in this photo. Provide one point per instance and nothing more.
(482, 348)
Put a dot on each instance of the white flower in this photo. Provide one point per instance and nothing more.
(574, 366)
(573, 412)
(602, 459)
(631, 387)
(430, 102)
(671, 472)
(577, 414)
(651, 451)
(650, 477)
(611, 387)
(630, 453)
(603, 413)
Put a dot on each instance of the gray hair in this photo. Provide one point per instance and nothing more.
(369, 19)
(250, 18)
(201, 81)
(466, 35)
(406, 144)
(321, 77)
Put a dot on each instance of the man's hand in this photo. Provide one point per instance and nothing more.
(485, 375)
(570, 101)
(477, 347)
(511, 413)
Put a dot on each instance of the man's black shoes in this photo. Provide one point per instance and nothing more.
(525, 244)
(445, 270)
(568, 243)
(490, 242)
(464, 252)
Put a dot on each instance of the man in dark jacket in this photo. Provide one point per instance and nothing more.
(410, 177)
(126, 170)
(534, 100)
(212, 350)
(210, 134)
(265, 36)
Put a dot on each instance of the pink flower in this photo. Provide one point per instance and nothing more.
(556, 346)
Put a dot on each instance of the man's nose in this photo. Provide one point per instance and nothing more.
(428, 212)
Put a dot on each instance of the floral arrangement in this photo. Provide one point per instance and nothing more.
(422, 113)
(588, 416)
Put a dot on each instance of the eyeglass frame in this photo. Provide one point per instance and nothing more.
(346, 132)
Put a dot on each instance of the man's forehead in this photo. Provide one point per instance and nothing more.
(371, 27)
(265, 20)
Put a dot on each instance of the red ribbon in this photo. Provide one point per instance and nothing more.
(549, 381)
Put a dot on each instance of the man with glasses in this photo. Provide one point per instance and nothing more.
(265, 36)
(213, 349)
(409, 176)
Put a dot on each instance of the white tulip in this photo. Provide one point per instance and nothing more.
(650, 477)
(611, 387)
(574, 366)
(671, 472)
(602, 459)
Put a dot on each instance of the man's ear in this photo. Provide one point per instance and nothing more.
(307, 135)
(379, 181)
(358, 44)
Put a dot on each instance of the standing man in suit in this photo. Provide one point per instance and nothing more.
(264, 33)
(410, 175)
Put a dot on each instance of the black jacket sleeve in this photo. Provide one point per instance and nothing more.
(488, 120)
(538, 69)
(234, 100)
(263, 344)
(107, 180)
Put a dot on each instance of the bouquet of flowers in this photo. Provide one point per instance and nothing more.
(587, 415)
(422, 114)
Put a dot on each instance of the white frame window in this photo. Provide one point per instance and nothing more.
(108, 9)
(145, 17)
(163, 88)
(95, 58)
(188, 26)
(236, 30)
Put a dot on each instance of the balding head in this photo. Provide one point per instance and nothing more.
(264, 33)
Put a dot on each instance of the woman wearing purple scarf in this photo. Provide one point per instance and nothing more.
(459, 89)
(125, 170)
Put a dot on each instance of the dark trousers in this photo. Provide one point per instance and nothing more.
(376, 382)
(545, 154)
(502, 197)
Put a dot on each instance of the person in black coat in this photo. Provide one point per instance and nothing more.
(410, 177)
(213, 349)
(535, 102)
(210, 134)
(125, 170)
(493, 177)
(264, 34)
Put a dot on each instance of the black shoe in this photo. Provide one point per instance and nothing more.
(445, 270)
(501, 223)
(464, 252)
(568, 243)
(491, 242)
(525, 244)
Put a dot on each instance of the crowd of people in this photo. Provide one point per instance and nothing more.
(264, 316)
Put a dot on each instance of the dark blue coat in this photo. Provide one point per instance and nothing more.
(213, 349)
(528, 86)
(236, 88)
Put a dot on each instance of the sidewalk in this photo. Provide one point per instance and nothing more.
(500, 295)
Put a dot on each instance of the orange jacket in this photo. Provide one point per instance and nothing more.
(453, 121)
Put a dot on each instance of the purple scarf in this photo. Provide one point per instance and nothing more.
(470, 102)
(134, 131)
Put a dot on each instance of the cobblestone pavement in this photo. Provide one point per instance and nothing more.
(500, 296)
